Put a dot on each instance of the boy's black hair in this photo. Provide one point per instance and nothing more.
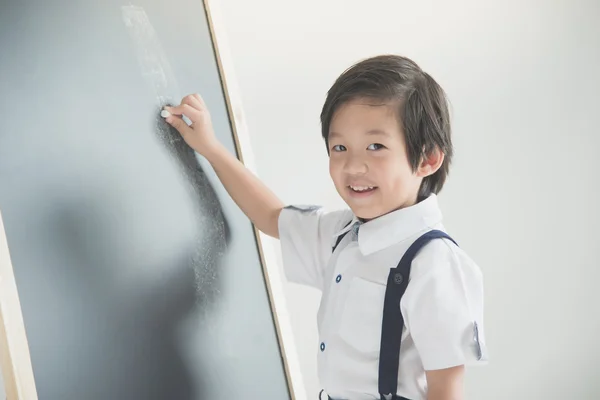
(422, 108)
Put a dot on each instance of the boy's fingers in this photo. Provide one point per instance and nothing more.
(175, 110)
(178, 124)
(193, 100)
(185, 109)
(200, 99)
(192, 106)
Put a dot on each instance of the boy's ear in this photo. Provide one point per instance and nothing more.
(430, 162)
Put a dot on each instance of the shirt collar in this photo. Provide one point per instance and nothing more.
(394, 227)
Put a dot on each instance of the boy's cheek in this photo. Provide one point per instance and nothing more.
(335, 171)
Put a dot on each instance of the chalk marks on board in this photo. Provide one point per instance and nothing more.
(211, 244)
(153, 61)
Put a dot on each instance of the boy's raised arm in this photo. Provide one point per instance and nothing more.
(253, 197)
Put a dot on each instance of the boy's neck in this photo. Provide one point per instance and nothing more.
(420, 198)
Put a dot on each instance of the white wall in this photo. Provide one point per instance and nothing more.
(523, 77)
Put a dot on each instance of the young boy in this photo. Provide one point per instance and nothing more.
(402, 305)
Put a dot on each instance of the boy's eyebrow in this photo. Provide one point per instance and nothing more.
(377, 132)
(369, 132)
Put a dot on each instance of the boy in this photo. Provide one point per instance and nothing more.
(401, 312)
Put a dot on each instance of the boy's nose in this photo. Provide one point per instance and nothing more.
(355, 166)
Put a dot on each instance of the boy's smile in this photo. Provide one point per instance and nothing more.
(359, 191)
(368, 161)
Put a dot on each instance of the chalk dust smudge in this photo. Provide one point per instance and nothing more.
(213, 236)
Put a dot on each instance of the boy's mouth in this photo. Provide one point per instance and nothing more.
(361, 189)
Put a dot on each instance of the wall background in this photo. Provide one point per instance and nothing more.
(523, 78)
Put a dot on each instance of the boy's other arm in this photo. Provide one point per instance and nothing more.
(445, 384)
(444, 308)
(253, 197)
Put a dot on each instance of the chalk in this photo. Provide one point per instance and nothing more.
(165, 113)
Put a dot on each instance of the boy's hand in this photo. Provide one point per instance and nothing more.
(259, 204)
(199, 135)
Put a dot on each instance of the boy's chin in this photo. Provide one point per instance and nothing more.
(366, 213)
(367, 206)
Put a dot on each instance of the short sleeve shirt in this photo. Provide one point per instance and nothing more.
(442, 306)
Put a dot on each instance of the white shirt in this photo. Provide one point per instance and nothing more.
(442, 306)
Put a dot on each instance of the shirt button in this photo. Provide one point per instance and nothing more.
(338, 278)
(398, 278)
(322, 346)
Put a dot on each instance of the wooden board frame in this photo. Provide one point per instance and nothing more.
(15, 359)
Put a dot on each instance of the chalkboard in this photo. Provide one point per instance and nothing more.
(138, 277)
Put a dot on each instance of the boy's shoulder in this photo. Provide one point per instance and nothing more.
(443, 253)
(329, 222)
(331, 217)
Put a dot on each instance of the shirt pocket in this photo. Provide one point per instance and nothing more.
(360, 322)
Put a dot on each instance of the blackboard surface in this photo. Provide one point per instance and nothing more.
(138, 276)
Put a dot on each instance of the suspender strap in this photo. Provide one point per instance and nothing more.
(393, 321)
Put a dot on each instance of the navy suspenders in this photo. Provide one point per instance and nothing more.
(393, 322)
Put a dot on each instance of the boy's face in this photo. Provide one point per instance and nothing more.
(368, 161)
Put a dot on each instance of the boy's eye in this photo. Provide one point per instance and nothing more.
(338, 147)
(375, 146)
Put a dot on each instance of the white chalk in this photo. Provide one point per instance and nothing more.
(164, 113)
